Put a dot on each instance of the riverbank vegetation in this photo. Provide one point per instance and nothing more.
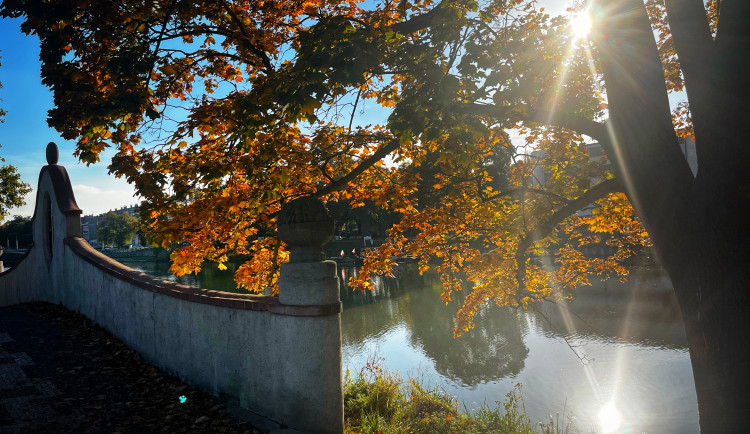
(376, 401)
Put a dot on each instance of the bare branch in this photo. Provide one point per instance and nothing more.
(585, 360)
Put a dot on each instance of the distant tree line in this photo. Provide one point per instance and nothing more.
(16, 232)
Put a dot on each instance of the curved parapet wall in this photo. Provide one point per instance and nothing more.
(279, 360)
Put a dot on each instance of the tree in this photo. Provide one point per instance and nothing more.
(12, 189)
(696, 223)
(233, 108)
(19, 228)
(117, 228)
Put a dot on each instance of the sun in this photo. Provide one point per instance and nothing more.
(609, 418)
(580, 24)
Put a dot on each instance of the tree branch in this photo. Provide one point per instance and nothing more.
(543, 228)
(420, 22)
(691, 34)
(646, 153)
(164, 23)
(368, 162)
(733, 28)
(594, 129)
(253, 49)
(731, 63)
(527, 190)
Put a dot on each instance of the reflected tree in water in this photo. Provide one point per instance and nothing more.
(494, 349)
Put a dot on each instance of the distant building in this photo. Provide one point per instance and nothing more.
(90, 222)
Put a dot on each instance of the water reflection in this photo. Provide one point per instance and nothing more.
(493, 349)
(641, 311)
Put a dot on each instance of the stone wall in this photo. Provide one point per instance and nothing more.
(279, 357)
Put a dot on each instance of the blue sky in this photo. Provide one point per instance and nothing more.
(25, 134)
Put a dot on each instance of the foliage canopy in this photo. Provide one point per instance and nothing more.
(223, 111)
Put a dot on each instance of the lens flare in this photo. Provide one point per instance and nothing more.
(580, 24)
(609, 418)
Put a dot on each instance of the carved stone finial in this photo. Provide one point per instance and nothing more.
(53, 154)
(305, 226)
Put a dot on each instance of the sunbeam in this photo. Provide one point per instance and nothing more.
(579, 25)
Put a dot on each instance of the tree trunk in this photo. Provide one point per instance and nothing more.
(714, 299)
(699, 225)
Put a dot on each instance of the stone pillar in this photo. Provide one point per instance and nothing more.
(308, 279)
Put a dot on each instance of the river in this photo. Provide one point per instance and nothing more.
(615, 359)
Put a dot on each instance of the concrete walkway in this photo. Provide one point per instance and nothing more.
(61, 373)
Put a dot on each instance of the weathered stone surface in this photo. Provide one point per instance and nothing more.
(309, 283)
(305, 226)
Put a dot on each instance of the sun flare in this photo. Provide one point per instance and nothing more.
(609, 418)
(580, 24)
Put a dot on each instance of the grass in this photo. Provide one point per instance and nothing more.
(379, 402)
